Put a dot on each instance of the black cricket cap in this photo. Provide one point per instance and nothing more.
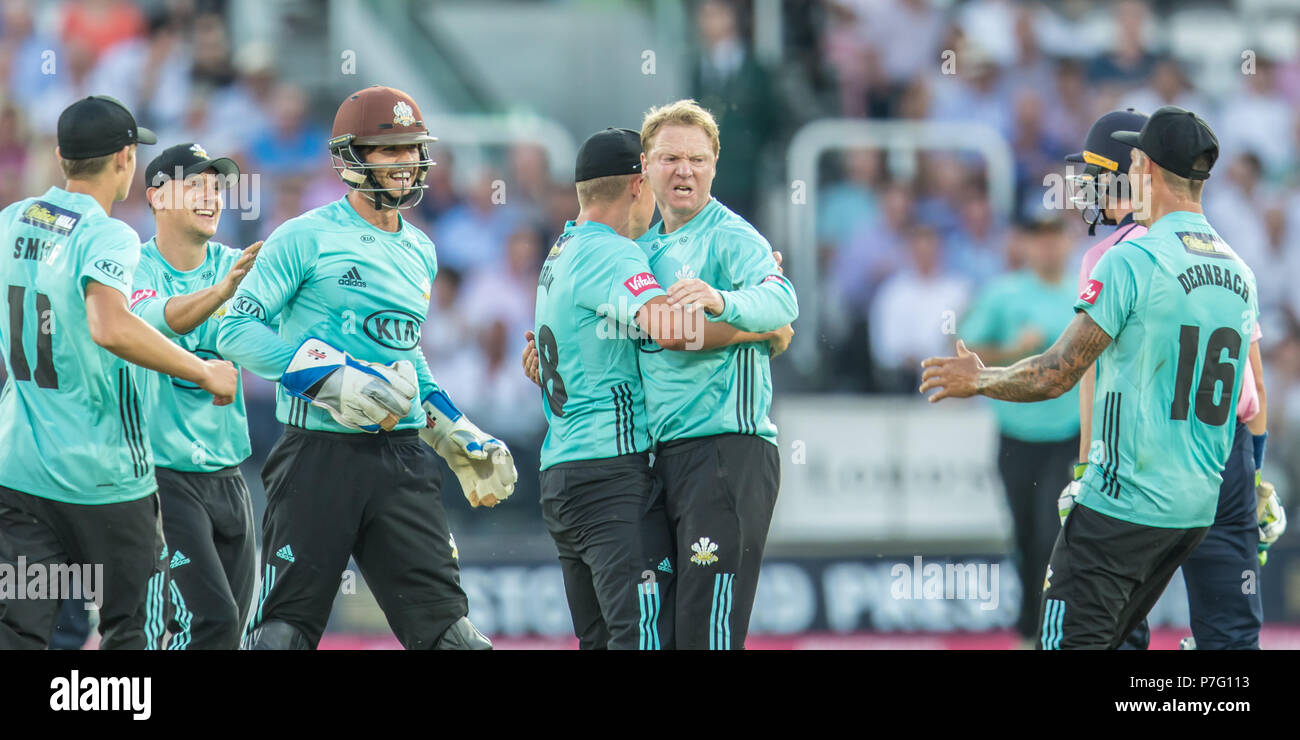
(614, 151)
(1173, 138)
(189, 159)
(98, 125)
(1107, 153)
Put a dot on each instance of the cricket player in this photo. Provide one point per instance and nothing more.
(181, 289)
(352, 475)
(716, 459)
(1222, 615)
(1168, 318)
(596, 299)
(76, 470)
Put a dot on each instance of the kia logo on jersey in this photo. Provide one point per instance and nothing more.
(249, 307)
(111, 269)
(393, 329)
(640, 283)
(1090, 292)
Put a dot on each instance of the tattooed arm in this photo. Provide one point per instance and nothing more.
(1036, 378)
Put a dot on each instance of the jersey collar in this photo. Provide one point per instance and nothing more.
(153, 243)
(84, 201)
(687, 229)
(352, 213)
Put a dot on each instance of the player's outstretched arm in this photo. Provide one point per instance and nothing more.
(185, 313)
(116, 329)
(1036, 378)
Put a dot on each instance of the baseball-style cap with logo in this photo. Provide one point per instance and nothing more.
(98, 125)
(1173, 138)
(614, 151)
(187, 159)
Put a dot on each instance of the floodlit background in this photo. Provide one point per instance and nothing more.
(893, 150)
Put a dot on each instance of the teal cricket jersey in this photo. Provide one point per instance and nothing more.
(186, 431)
(330, 274)
(71, 427)
(728, 389)
(1010, 305)
(590, 288)
(1180, 307)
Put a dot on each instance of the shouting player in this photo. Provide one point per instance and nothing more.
(1168, 318)
(1222, 616)
(596, 297)
(716, 457)
(181, 288)
(350, 282)
(76, 471)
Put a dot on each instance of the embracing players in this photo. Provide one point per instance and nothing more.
(596, 299)
(1168, 318)
(76, 471)
(350, 283)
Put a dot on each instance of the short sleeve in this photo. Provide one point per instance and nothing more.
(110, 257)
(625, 282)
(146, 301)
(1111, 292)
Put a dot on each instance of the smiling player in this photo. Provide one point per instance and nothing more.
(350, 282)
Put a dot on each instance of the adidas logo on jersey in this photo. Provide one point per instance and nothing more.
(285, 553)
(178, 559)
(666, 566)
(352, 279)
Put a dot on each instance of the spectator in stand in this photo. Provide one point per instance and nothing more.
(872, 256)
(1258, 118)
(473, 234)
(975, 95)
(1236, 205)
(1128, 62)
(908, 314)
(292, 143)
(25, 54)
(730, 83)
(849, 206)
(977, 248)
(530, 182)
(101, 24)
(507, 290)
(1168, 86)
(151, 74)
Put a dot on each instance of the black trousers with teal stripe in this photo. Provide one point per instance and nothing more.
(373, 497)
(719, 492)
(1223, 615)
(124, 540)
(611, 533)
(1104, 575)
(208, 522)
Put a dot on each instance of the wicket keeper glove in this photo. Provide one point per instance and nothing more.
(358, 394)
(483, 464)
(1270, 515)
(1065, 502)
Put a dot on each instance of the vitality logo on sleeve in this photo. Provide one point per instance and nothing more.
(1090, 292)
(640, 283)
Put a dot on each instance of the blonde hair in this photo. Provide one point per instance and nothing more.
(679, 113)
(603, 189)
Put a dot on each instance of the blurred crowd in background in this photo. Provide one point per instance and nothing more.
(896, 249)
